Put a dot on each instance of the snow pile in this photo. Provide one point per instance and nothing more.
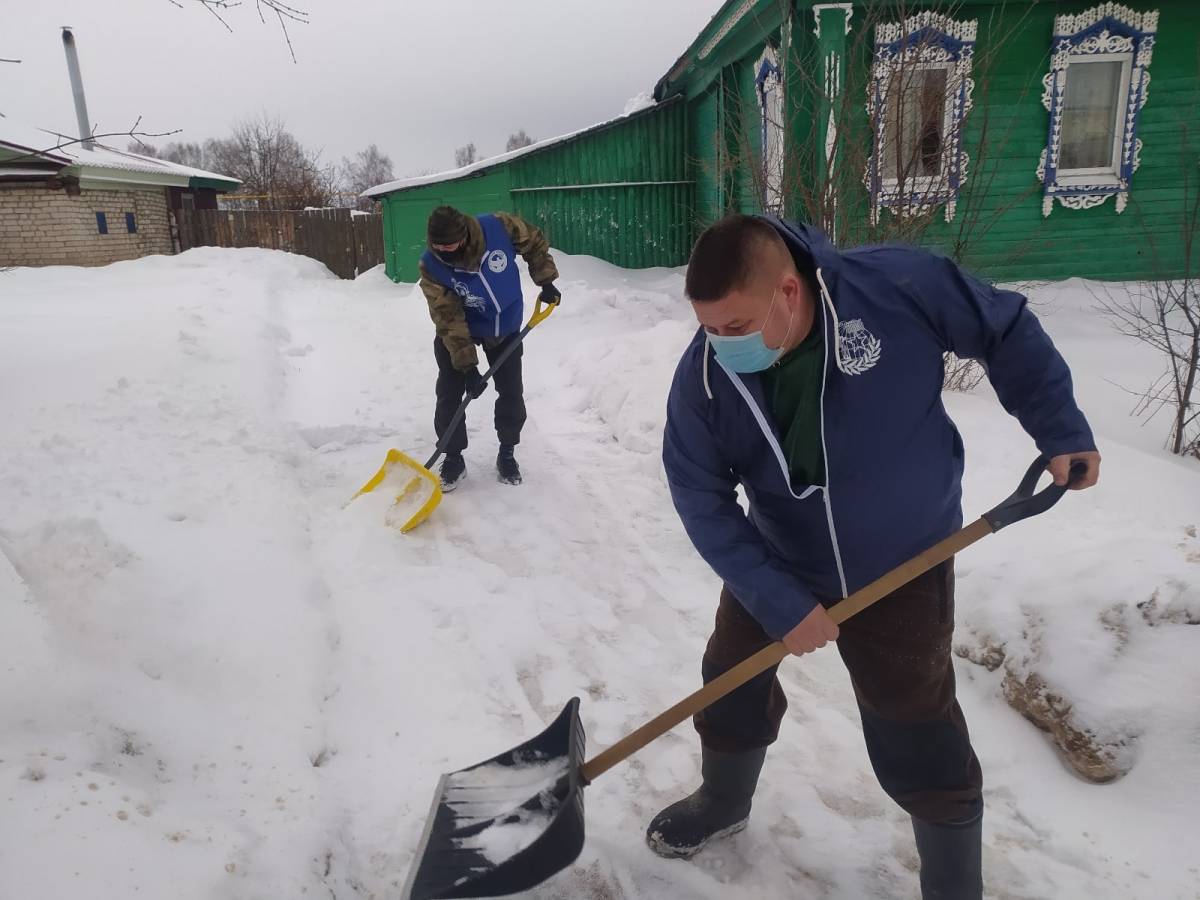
(1092, 643)
(644, 100)
(653, 324)
(221, 679)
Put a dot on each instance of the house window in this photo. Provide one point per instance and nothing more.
(131, 223)
(768, 82)
(918, 100)
(915, 125)
(1095, 91)
(1091, 109)
(101, 223)
(188, 201)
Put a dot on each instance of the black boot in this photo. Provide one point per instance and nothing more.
(507, 470)
(951, 860)
(720, 807)
(453, 471)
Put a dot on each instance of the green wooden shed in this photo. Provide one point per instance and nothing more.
(1029, 139)
(616, 191)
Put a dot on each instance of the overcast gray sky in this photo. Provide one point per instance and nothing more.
(417, 77)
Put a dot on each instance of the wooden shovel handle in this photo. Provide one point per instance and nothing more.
(775, 653)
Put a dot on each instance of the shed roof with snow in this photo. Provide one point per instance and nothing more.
(635, 107)
(27, 151)
(613, 190)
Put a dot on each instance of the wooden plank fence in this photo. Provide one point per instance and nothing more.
(348, 244)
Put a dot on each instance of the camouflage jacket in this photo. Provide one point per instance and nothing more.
(445, 307)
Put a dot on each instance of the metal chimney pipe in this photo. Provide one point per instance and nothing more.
(81, 113)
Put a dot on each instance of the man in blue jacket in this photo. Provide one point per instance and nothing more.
(815, 383)
(470, 280)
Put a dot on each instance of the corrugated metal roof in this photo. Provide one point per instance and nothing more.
(684, 58)
(104, 157)
(45, 143)
(28, 139)
(483, 165)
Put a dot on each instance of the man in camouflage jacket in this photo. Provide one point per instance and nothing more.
(470, 280)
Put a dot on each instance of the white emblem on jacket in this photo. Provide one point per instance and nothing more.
(857, 349)
(497, 261)
(469, 300)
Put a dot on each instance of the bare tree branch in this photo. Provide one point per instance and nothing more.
(1165, 316)
(466, 155)
(287, 37)
(284, 14)
(131, 133)
(217, 15)
(276, 171)
(291, 12)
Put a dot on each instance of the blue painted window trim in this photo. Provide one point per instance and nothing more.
(925, 38)
(101, 223)
(130, 223)
(767, 69)
(1108, 28)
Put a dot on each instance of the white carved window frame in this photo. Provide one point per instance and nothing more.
(768, 82)
(928, 40)
(1109, 32)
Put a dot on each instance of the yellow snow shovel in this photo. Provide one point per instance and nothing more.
(419, 490)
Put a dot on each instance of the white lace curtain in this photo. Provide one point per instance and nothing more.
(1089, 126)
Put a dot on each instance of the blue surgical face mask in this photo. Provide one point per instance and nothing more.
(744, 353)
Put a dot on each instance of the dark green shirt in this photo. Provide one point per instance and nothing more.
(793, 391)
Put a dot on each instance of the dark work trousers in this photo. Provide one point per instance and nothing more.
(510, 393)
(898, 655)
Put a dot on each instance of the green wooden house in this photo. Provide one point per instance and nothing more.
(1029, 139)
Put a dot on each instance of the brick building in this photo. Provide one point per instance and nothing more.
(91, 205)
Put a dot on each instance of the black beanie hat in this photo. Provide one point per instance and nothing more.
(447, 226)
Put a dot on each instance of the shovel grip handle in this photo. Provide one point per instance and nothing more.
(541, 312)
(1024, 503)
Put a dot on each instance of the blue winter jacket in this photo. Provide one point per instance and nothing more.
(893, 458)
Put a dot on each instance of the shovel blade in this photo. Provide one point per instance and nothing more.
(418, 490)
(508, 823)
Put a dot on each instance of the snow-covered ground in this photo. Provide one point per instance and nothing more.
(218, 680)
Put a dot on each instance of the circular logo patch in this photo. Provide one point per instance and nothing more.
(497, 261)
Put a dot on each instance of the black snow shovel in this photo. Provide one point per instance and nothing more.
(509, 823)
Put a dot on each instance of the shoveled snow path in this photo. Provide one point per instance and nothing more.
(275, 679)
(581, 583)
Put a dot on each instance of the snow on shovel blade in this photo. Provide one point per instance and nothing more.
(418, 490)
(506, 824)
